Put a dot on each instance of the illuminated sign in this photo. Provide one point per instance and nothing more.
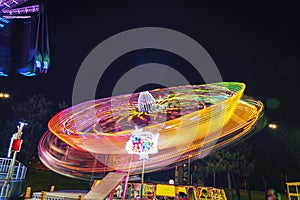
(142, 142)
(16, 145)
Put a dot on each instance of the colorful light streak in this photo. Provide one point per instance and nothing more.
(90, 138)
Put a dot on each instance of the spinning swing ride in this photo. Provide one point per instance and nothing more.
(24, 42)
(171, 124)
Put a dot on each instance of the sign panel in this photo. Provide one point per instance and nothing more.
(142, 142)
(16, 145)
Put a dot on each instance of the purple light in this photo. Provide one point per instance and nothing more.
(23, 10)
(8, 10)
(9, 4)
(2, 3)
(16, 17)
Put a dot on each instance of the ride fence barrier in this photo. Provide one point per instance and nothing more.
(293, 189)
(19, 171)
(14, 187)
(172, 191)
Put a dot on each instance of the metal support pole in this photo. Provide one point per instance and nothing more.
(127, 178)
(18, 172)
(111, 195)
(189, 170)
(11, 167)
(142, 179)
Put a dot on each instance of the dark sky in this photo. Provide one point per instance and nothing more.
(257, 44)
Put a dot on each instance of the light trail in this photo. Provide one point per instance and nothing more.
(90, 138)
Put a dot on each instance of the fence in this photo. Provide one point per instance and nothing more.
(18, 175)
(293, 189)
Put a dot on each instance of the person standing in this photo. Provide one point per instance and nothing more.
(273, 195)
(191, 194)
(119, 191)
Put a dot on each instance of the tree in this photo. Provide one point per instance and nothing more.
(36, 111)
(276, 152)
(291, 138)
(234, 161)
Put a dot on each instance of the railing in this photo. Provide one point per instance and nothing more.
(19, 170)
(293, 189)
(4, 188)
(18, 175)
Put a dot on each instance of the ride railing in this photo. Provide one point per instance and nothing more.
(293, 189)
(18, 173)
(169, 190)
(4, 188)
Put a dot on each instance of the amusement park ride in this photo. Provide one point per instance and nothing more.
(118, 134)
(31, 55)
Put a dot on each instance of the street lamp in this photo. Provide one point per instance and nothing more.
(4, 95)
(15, 146)
(272, 126)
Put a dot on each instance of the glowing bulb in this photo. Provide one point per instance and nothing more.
(272, 126)
(4, 95)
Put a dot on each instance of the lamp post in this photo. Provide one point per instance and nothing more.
(15, 145)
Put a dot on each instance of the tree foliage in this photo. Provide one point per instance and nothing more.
(235, 159)
(291, 138)
(36, 111)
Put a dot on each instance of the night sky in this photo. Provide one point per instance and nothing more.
(257, 44)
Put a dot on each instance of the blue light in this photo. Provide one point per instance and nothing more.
(29, 74)
(45, 65)
(26, 72)
(37, 64)
(4, 20)
(3, 74)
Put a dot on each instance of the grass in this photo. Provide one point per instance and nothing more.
(42, 180)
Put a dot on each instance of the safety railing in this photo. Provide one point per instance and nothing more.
(19, 170)
(18, 175)
(4, 188)
(293, 189)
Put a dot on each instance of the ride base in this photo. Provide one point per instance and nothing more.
(108, 187)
